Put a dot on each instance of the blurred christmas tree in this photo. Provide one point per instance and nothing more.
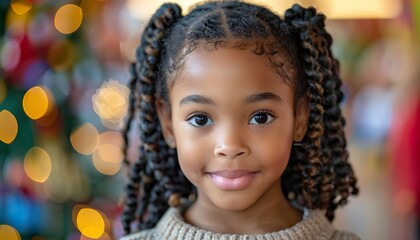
(60, 156)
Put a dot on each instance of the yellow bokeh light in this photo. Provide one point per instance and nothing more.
(85, 139)
(68, 18)
(8, 127)
(90, 223)
(111, 137)
(110, 101)
(9, 233)
(108, 157)
(107, 165)
(37, 164)
(35, 102)
(3, 90)
(110, 153)
(20, 6)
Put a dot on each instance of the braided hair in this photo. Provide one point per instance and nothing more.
(318, 174)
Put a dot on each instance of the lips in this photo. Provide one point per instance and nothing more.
(232, 179)
(232, 173)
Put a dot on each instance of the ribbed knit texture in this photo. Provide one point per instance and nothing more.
(172, 227)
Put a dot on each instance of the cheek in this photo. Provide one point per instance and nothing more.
(276, 147)
(191, 158)
(190, 148)
(275, 152)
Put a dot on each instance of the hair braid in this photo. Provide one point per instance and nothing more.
(143, 174)
(311, 162)
(131, 112)
(332, 178)
(335, 122)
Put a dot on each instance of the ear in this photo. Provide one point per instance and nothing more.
(165, 118)
(301, 119)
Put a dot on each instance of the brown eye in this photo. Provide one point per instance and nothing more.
(261, 118)
(200, 120)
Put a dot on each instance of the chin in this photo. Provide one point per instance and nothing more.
(233, 204)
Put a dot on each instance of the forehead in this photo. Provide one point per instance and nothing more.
(224, 61)
(227, 72)
(227, 61)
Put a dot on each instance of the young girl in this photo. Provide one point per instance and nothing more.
(241, 130)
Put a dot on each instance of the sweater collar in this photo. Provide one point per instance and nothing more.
(314, 225)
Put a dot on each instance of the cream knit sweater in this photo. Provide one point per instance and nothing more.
(172, 227)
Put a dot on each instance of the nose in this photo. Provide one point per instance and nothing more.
(231, 144)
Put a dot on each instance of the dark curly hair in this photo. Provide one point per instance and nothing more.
(318, 174)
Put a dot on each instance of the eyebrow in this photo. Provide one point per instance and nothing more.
(263, 97)
(267, 96)
(195, 99)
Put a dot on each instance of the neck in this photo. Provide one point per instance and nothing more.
(272, 212)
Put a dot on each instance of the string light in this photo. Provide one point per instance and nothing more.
(35, 102)
(110, 102)
(68, 18)
(9, 233)
(20, 6)
(8, 127)
(37, 164)
(102, 162)
(108, 157)
(85, 139)
(90, 223)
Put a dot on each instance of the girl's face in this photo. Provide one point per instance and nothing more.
(232, 120)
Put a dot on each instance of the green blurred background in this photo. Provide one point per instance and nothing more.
(63, 100)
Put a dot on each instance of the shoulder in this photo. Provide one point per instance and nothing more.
(342, 235)
(162, 230)
(149, 234)
(323, 229)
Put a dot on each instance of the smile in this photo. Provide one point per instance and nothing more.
(232, 180)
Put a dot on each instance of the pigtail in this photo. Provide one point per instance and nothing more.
(327, 177)
(149, 183)
(131, 112)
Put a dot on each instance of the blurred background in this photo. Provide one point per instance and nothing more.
(63, 99)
